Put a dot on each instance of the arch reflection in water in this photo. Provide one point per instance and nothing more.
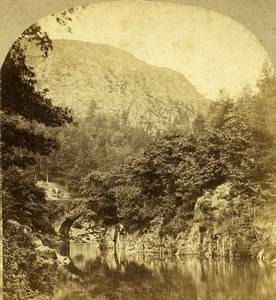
(95, 274)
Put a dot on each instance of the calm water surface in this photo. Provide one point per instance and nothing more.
(115, 275)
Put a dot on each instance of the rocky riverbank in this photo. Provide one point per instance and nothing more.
(214, 231)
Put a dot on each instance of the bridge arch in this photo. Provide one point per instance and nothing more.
(67, 212)
(70, 211)
(66, 225)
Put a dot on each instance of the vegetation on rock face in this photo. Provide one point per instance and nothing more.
(27, 274)
(233, 145)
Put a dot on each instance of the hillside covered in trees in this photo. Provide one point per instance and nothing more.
(179, 174)
(119, 102)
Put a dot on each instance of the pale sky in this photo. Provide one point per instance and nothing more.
(212, 51)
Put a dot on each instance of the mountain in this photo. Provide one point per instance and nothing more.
(86, 76)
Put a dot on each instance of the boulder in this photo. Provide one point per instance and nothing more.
(63, 260)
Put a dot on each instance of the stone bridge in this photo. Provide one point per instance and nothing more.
(67, 212)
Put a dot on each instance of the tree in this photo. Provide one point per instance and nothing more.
(23, 108)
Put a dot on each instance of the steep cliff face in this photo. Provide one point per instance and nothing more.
(208, 234)
(84, 75)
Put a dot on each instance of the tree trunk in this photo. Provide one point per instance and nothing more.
(254, 210)
(223, 247)
(66, 180)
(47, 174)
(230, 247)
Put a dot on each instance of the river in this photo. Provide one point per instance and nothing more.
(115, 275)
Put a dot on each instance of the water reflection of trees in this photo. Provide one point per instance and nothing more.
(118, 275)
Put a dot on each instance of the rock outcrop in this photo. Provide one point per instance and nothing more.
(216, 230)
(201, 238)
(265, 231)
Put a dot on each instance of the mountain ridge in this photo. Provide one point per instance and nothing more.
(83, 75)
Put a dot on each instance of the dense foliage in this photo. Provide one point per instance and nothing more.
(27, 274)
(22, 106)
(22, 109)
(23, 201)
(99, 142)
(234, 144)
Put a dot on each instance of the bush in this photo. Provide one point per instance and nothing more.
(26, 273)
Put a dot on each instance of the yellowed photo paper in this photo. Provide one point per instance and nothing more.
(138, 150)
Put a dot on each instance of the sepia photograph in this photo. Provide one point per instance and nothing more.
(138, 150)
